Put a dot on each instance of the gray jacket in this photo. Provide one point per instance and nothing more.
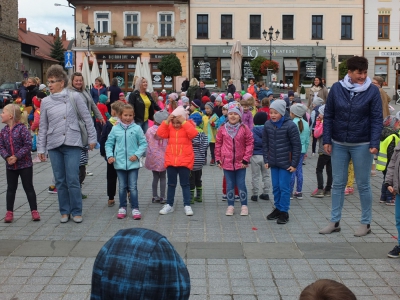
(59, 122)
(393, 169)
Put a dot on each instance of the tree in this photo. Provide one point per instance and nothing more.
(342, 69)
(255, 65)
(170, 65)
(57, 51)
(269, 64)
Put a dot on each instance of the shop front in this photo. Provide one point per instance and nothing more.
(297, 65)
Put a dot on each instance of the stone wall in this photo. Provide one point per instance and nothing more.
(10, 50)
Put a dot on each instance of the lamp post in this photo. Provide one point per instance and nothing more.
(269, 34)
(87, 33)
(74, 15)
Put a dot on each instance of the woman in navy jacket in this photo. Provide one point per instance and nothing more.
(352, 128)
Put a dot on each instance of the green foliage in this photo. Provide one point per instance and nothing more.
(255, 65)
(170, 65)
(342, 69)
(302, 90)
(57, 51)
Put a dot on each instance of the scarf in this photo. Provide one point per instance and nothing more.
(232, 130)
(59, 96)
(354, 88)
(279, 123)
(315, 88)
(125, 126)
(114, 121)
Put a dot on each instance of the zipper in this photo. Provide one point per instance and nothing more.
(234, 155)
(12, 147)
(126, 154)
(176, 146)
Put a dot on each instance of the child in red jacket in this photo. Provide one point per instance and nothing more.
(233, 151)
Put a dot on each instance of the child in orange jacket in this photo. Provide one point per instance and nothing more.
(179, 156)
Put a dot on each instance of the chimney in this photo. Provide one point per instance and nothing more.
(64, 36)
(22, 23)
(57, 32)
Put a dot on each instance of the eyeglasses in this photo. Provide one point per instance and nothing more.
(52, 81)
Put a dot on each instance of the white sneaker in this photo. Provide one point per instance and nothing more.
(188, 211)
(88, 173)
(121, 213)
(166, 209)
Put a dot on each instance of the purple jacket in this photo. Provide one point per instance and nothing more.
(232, 153)
(247, 119)
(16, 142)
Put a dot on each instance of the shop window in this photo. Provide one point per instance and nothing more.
(287, 27)
(132, 22)
(160, 81)
(383, 27)
(347, 24)
(381, 69)
(165, 24)
(102, 20)
(202, 26)
(206, 70)
(316, 28)
(226, 26)
(255, 26)
(310, 68)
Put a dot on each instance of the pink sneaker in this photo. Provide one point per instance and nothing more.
(121, 213)
(35, 215)
(230, 210)
(349, 191)
(36, 160)
(136, 215)
(9, 217)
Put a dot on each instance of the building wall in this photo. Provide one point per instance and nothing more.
(10, 50)
(331, 10)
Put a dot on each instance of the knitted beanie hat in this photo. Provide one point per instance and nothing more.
(205, 99)
(298, 109)
(210, 105)
(196, 103)
(180, 111)
(318, 101)
(290, 94)
(236, 109)
(279, 106)
(160, 116)
(218, 99)
(260, 118)
(103, 98)
(185, 100)
(197, 119)
(247, 96)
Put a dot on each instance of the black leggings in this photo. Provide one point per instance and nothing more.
(195, 179)
(27, 183)
(314, 142)
(111, 181)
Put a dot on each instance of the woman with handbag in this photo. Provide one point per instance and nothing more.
(65, 127)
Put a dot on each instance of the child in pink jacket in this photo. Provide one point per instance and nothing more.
(233, 151)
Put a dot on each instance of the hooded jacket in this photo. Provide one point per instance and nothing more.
(281, 146)
(357, 120)
(257, 136)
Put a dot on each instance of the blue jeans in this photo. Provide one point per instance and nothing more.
(172, 174)
(144, 125)
(299, 174)
(65, 165)
(236, 178)
(362, 162)
(397, 216)
(281, 188)
(128, 182)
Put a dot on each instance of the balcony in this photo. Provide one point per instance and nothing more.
(103, 39)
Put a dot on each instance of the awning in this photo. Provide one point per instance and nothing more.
(291, 65)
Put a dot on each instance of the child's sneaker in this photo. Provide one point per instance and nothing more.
(224, 198)
(244, 211)
(298, 195)
(9, 217)
(52, 189)
(111, 202)
(155, 200)
(382, 200)
(166, 209)
(395, 253)
(349, 191)
(264, 197)
(36, 160)
(230, 210)
(35, 215)
(163, 200)
(121, 213)
(327, 193)
(188, 211)
(390, 203)
(314, 192)
(319, 194)
(136, 215)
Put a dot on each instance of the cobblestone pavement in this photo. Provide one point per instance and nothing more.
(227, 257)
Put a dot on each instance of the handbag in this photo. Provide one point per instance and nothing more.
(81, 122)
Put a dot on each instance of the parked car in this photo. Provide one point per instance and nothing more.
(10, 88)
(5, 98)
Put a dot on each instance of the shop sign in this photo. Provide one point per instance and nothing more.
(117, 56)
(389, 53)
(311, 69)
(205, 69)
(247, 72)
(254, 51)
(158, 56)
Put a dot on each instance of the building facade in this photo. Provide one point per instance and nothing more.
(382, 42)
(126, 31)
(314, 36)
(10, 50)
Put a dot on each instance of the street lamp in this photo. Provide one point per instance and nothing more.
(270, 39)
(87, 33)
(74, 15)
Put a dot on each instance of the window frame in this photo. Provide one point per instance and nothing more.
(138, 22)
(250, 27)
(96, 20)
(172, 23)
(283, 27)
(208, 26)
(346, 24)
(231, 25)
(317, 24)
(385, 79)
(384, 24)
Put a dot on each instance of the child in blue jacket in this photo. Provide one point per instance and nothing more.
(125, 145)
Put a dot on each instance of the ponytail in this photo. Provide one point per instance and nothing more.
(301, 126)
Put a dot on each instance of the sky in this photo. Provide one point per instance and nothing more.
(43, 17)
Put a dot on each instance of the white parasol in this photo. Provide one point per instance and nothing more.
(95, 71)
(104, 74)
(138, 71)
(86, 72)
(146, 74)
(236, 64)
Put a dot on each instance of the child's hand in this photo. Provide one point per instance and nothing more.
(133, 158)
(266, 166)
(244, 166)
(390, 189)
(170, 117)
(291, 169)
(11, 160)
(111, 160)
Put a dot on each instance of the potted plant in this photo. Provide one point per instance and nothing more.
(302, 93)
(170, 65)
